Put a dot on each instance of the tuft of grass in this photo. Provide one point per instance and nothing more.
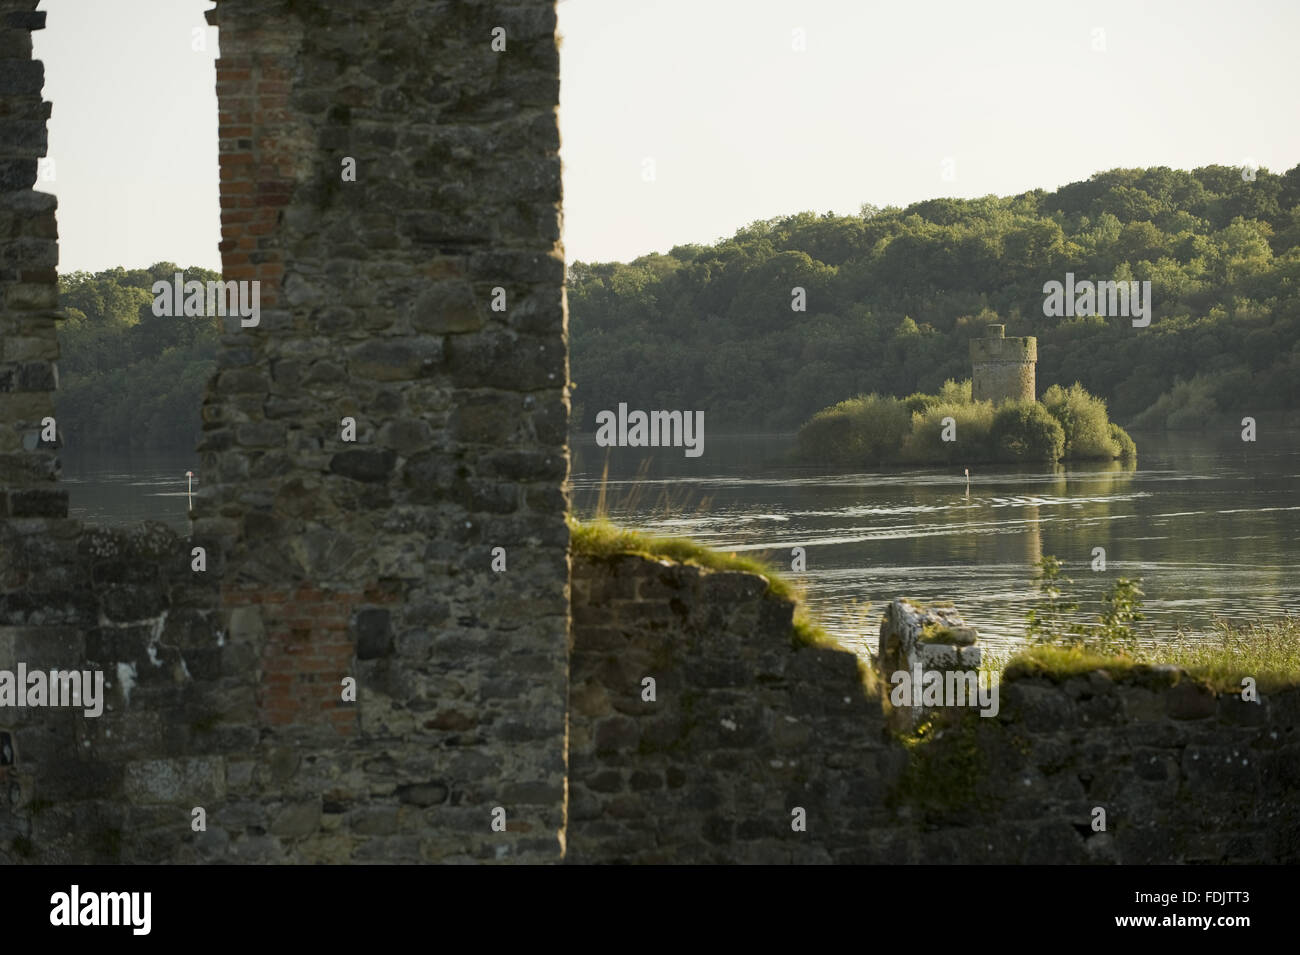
(806, 632)
(602, 539)
(1268, 652)
(1061, 663)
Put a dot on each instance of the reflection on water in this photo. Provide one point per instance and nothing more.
(1209, 529)
(125, 489)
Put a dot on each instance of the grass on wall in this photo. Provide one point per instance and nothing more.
(601, 538)
(1268, 652)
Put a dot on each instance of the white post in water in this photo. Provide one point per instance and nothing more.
(189, 490)
(966, 471)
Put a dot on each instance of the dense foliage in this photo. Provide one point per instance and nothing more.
(873, 429)
(127, 378)
(894, 295)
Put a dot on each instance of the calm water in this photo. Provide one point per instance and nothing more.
(1210, 528)
(118, 489)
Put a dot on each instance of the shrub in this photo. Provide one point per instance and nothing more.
(1113, 632)
(1024, 431)
(925, 444)
(825, 436)
(918, 403)
(956, 392)
(1187, 406)
(1127, 449)
(1084, 420)
(1047, 620)
(863, 430)
(880, 426)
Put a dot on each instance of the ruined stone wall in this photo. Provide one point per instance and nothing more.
(428, 559)
(373, 559)
(423, 301)
(735, 738)
(745, 728)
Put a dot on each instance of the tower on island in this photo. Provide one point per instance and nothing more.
(1002, 368)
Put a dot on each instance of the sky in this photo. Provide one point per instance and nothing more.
(684, 120)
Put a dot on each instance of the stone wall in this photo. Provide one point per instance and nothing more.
(119, 786)
(1003, 368)
(423, 301)
(427, 560)
(746, 728)
(712, 768)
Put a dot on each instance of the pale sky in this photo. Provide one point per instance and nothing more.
(885, 101)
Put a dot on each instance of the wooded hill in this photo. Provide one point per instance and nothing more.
(894, 295)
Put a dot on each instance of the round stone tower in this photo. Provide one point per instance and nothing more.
(1003, 368)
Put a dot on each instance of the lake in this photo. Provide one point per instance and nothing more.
(1211, 526)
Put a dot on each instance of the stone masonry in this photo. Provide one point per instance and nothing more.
(367, 649)
(746, 727)
(1002, 368)
(423, 301)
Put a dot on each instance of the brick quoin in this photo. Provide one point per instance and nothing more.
(253, 91)
(307, 652)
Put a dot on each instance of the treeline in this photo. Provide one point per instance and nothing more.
(894, 295)
(127, 378)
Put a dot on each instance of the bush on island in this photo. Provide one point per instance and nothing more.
(1026, 431)
(1068, 423)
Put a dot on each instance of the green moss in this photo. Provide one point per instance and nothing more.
(869, 679)
(1061, 663)
(805, 632)
(600, 538)
(945, 767)
(938, 633)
